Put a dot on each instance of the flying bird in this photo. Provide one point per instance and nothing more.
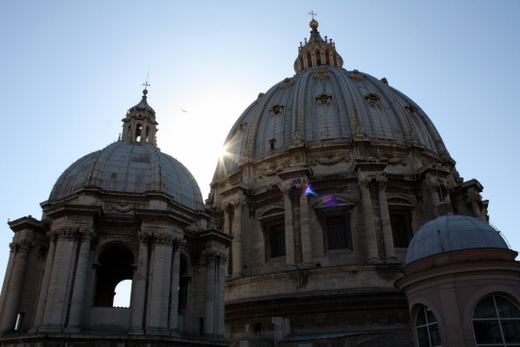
(183, 110)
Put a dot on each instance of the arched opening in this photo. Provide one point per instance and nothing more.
(138, 131)
(122, 294)
(427, 328)
(114, 266)
(496, 322)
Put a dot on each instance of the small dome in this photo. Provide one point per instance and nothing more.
(124, 167)
(451, 233)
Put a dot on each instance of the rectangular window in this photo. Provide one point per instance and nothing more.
(336, 231)
(276, 240)
(401, 231)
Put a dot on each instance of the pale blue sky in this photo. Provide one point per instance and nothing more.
(70, 70)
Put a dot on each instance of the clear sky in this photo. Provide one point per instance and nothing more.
(69, 70)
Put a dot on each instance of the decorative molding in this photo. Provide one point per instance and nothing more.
(329, 159)
(122, 207)
(272, 169)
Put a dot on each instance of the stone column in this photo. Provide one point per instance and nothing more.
(42, 300)
(78, 292)
(7, 281)
(473, 200)
(237, 241)
(370, 229)
(160, 280)
(306, 231)
(221, 271)
(386, 223)
(60, 281)
(139, 285)
(290, 254)
(226, 221)
(209, 306)
(11, 308)
(175, 277)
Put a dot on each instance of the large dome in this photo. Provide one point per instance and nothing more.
(132, 165)
(324, 102)
(130, 168)
(452, 233)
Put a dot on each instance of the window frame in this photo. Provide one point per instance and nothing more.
(499, 321)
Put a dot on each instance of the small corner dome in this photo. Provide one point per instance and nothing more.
(123, 167)
(452, 233)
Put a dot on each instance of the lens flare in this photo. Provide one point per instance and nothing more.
(329, 200)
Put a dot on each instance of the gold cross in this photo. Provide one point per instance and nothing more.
(313, 14)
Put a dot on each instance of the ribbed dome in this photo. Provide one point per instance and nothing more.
(329, 103)
(130, 168)
(452, 233)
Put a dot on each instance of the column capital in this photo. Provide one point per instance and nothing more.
(21, 246)
(65, 233)
(296, 184)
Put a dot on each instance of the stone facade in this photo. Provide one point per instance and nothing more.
(329, 175)
(116, 215)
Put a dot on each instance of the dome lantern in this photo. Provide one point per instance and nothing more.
(139, 125)
(317, 51)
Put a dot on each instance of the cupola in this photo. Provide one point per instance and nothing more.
(139, 125)
(317, 51)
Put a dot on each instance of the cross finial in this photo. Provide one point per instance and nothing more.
(145, 84)
(313, 14)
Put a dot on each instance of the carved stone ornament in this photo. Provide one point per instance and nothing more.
(242, 126)
(21, 246)
(373, 99)
(215, 256)
(321, 74)
(356, 75)
(287, 82)
(330, 159)
(144, 238)
(298, 184)
(276, 109)
(324, 99)
(272, 169)
(391, 157)
(163, 239)
(64, 233)
(411, 108)
(122, 207)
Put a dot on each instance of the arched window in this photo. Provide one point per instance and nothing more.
(114, 265)
(427, 328)
(496, 322)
